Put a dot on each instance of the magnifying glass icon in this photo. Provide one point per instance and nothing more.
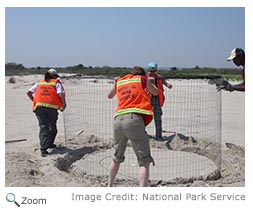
(10, 197)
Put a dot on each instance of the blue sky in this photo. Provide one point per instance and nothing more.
(170, 36)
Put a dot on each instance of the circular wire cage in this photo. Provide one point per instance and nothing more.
(191, 125)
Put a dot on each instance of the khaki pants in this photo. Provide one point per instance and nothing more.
(131, 126)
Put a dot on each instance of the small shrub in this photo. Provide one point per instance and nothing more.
(12, 80)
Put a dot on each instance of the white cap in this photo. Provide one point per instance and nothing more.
(234, 53)
(53, 72)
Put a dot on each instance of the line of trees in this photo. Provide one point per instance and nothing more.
(173, 72)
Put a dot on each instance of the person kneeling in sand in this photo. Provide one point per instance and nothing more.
(133, 113)
(48, 96)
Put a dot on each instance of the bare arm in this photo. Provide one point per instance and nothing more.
(151, 86)
(113, 92)
(63, 100)
(167, 84)
(30, 95)
(225, 85)
(240, 87)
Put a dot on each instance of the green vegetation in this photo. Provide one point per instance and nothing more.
(229, 74)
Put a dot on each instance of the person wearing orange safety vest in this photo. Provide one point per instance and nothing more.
(157, 101)
(48, 96)
(133, 113)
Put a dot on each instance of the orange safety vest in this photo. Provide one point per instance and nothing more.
(46, 95)
(132, 98)
(159, 84)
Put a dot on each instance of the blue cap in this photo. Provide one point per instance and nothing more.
(152, 64)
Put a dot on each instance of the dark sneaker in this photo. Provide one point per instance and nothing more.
(53, 146)
(159, 138)
(44, 153)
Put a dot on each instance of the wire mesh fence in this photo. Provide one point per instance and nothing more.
(191, 123)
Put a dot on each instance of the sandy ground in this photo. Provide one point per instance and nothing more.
(25, 166)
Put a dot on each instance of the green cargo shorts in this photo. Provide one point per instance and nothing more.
(131, 126)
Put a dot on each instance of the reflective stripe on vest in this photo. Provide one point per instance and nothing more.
(128, 81)
(45, 105)
(133, 110)
(47, 83)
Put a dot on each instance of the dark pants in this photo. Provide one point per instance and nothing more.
(47, 118)
(157, 115)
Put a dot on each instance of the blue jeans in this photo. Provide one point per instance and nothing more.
(157, 110)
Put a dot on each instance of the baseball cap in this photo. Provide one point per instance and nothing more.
(234, 53)
(152, 64)
(53, 72)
